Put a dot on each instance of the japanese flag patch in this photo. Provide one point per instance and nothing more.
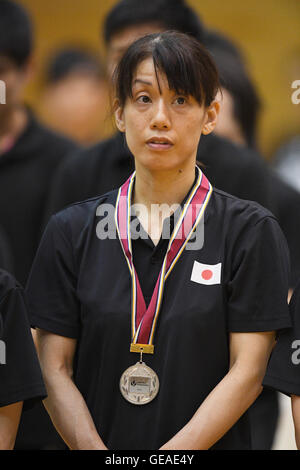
(209, 274)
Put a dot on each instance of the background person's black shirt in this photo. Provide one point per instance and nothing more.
(20, 374)
(6, 258)
(26, 172)
(80, 287)
(287, 211)
(283, 372)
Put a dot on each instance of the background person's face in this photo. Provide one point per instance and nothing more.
(162, 128)
(120, 42)
(76, 106)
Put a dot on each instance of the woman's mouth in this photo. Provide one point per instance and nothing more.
(159, 143)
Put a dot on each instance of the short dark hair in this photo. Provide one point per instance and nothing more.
(235, 78)
(69, 60)
(187, 65)
(169, 14)
(16, 32)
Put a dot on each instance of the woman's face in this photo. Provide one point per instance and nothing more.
(162, 128)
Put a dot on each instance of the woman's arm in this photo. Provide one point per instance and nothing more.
(9, 422)
(296, 417)
(65, 404)
(249, 354)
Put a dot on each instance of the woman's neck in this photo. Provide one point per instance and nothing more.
(160, 193)
(162, 187)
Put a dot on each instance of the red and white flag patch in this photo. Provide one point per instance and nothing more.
(209, 274)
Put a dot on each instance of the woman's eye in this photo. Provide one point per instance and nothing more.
(143, 99)
(180, 100)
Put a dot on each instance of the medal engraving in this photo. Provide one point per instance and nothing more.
(139, 384)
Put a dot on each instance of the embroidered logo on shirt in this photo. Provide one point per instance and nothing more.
(209, 274)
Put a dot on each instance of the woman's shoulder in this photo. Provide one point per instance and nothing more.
(78, 221)
(83, 212)
(241, 210)
(242, 222)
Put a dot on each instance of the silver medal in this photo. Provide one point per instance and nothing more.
(139, 384)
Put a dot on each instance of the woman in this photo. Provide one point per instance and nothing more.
(157, 335)
(21, 382)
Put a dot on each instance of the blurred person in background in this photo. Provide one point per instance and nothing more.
(21, 382)
(241, 104)
(235, 169)
(29, 155)
(238, 121)
(287, 162)
(74, 100)
(286, 159)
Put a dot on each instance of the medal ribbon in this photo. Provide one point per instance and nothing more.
(143, 320)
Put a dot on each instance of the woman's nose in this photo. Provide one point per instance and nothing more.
(161, 118)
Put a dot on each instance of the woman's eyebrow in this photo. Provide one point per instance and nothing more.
(144, 82)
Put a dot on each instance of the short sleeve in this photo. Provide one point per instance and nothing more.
(283, 371)
(258, 288)
(51, 288)
(20, 374)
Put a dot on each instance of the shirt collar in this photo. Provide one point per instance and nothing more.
(168, 223)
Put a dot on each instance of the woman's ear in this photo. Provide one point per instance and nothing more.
(119, 117)
(211, 117)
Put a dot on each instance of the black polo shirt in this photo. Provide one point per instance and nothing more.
(26, 172)
(20, 374)
(80, 287)
(283, 372)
